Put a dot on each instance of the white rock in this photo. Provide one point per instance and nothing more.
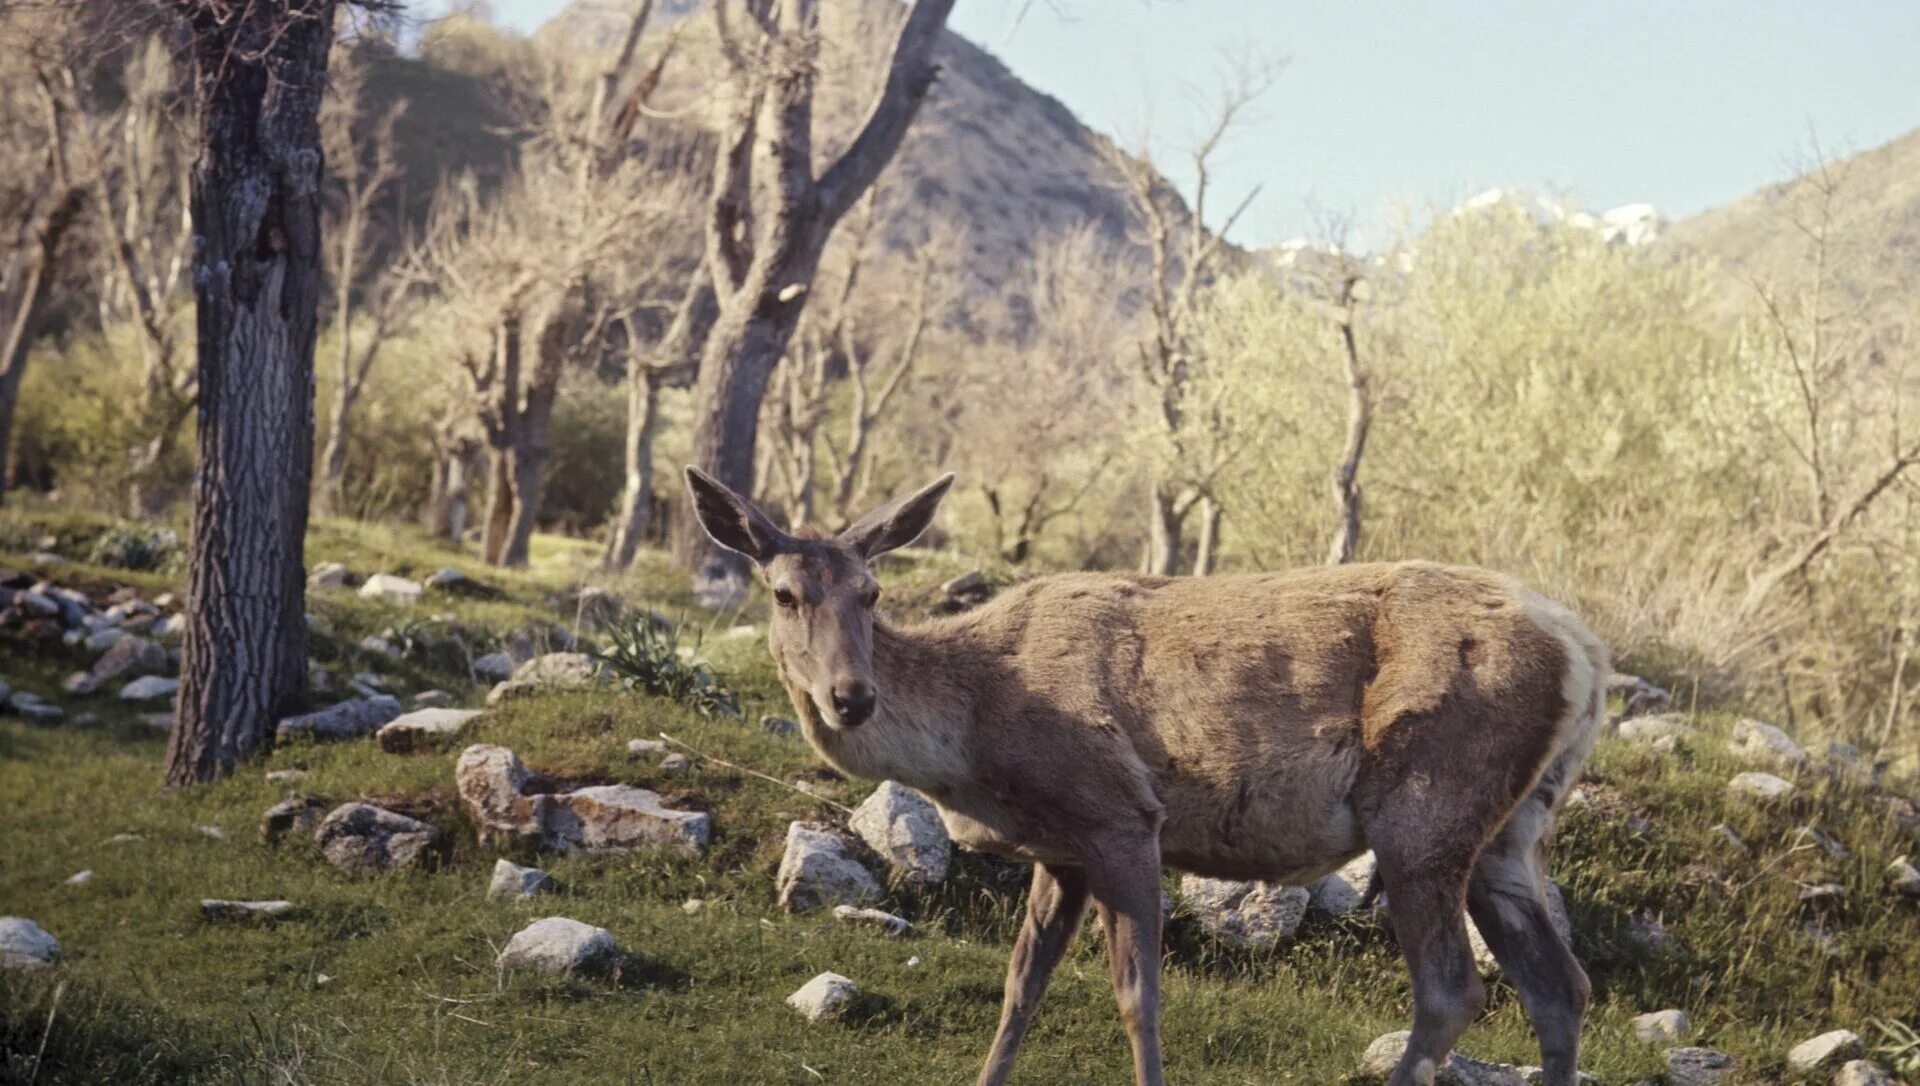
(389, 587)
(149, 688)
(378, 646)
(432, 699)
(1658, 726)
(217, 909)
(285, 776)
(1828, 1050)
(606, 818)
(1862, 1073)
(1245, 914)
(513, 881)
(900, 825)
(1905, 877)
(1698, 1067)
(559, 670)
(561, 946)
(212, 833)
(79, 878)
(1669, 1027)
(103, 639)
(641, 748)
(675, 764)
(423, 728)
(894, 926)
(816, 871)
(694, 906)
(1384, 1054)
(1759, 786)
(1340, 893)
(293, 816)
(448, 580)
(1766, 743)
(130, 656)
(824, 997)
(18, 935)
(327, 575)
(171, 628)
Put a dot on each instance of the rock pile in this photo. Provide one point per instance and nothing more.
(493, 783)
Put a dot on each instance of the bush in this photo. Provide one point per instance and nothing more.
(130, 546)
(646, 655)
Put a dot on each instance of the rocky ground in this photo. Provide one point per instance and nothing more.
(485, 855)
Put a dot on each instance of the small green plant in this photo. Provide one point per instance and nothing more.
(131, 546)
(646, 655)
(1899, 1047)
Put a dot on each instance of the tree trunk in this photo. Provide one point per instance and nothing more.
(527, 476)
(25, 297)
(458, 494)
(333, 462)
(636, 498)
(1208, 550)
(1164, 524)
(493, 544)
(1346, 477)
(259, 74)
(740, 355)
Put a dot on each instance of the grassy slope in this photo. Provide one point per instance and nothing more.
(148, 991)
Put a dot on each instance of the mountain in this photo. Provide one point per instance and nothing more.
(1874, 224)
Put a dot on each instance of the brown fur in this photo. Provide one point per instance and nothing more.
(1268, 726)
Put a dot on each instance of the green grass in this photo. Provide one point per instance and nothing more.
(147, 991)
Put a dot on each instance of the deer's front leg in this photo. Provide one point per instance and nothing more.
(1125, 885)
(1055, 905)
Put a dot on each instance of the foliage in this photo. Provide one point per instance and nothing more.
(131, 546)
(646, 655)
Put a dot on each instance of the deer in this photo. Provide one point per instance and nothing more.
(1265, 725)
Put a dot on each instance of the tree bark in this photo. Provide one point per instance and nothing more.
(1347, 496)
(673, 367)
(24, 302)
(1208, 550)
(259, 73)
(493, 543)
(1165, 524)
(333, 461)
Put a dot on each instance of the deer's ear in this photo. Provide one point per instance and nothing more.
(731, 520)
(897, 523)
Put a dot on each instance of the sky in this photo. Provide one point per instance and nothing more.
(1385, 107)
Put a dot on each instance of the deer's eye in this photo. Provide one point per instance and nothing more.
(784, 598)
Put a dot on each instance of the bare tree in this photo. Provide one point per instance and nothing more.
(862, 336)
(49, 206)
(1347, 495)
(259, 72)
(366, 166)
(771, 214)
(138, 168)
(1184, 258)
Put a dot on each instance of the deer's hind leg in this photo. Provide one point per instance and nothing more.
(1507, 897)
(1424, 899)
(1055, 906)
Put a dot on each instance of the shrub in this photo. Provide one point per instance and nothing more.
(646, 655)
(132, 546)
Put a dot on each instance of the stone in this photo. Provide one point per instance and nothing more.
(1666, 744)
(1766, 744)
(289, 816)
(386, 586)
(212, 833)
(360, 836)
(513, 881)
(817, 871)
(171, 628)
(78, 878)
(34, 709)
(1385, 1052)
(780, 726)
(559, 670)
(494, 666)
(642, 748)
(492, 782)
(424, 729)
(343, 720)
(1341, 892)
(1810, 836)
(1669, 1027)
(149, 688)
(1245, 914)
(1638, 697)
(327, 575)
(128, 657)
(1827, 1051)
(378, 646)
(1698, 1067)
(80, 684)
(285, 776)
(432, 699)
(1862, 1073)
(1904, 877)
(825, 997)
(676, 764)
(103, 639)
(217, 909)
(1762, 787)
(448, 580)
(23, 937)
(37, 604)
(1659, 726)
(893, 926)
(562, 947)
(900, 825)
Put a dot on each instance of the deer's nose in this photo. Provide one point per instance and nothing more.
(853, 699)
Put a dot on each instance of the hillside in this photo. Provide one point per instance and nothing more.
(1875, 223)
(370, 959)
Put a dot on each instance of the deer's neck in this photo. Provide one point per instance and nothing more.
(921, 730)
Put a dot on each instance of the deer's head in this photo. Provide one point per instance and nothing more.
(823, 593)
